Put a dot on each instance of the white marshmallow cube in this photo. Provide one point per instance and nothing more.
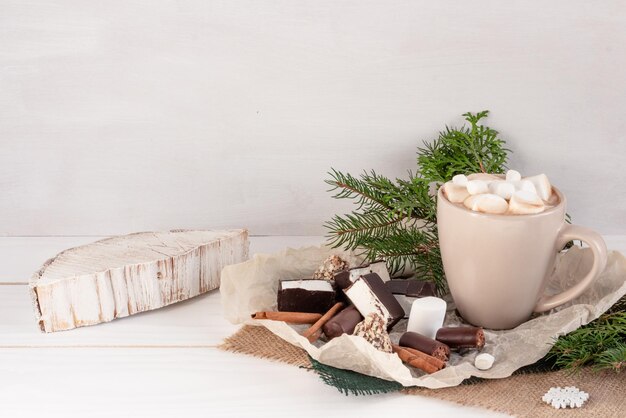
(477, 187)
(460, 180)
(513, 175)
(542, 185)
(524, 185)
(455, 193)
(486, 177)
(525, 203)
(486, 203)
(484, 361)
(489, 193)
(427, 315)
(504, 189)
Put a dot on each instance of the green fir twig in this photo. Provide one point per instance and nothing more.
(600, 344)
(396, 219)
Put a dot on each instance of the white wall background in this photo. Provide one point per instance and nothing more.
(120, 116)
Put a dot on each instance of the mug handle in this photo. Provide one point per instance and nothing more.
(598, 248)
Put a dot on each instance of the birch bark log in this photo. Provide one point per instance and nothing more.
(124, 275)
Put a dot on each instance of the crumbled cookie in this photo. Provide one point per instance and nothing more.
(374, 329)
(329, 267)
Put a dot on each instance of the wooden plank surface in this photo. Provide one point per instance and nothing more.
(196, 322)
(163, 363)
(186, 383)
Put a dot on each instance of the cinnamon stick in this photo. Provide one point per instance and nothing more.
(416, 361)
(311, 333)
(290, 317)
(438, 363)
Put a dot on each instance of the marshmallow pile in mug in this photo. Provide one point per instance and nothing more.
(512, 195)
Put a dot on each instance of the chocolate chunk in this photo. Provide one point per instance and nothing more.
(339, 295)
(346, 277)
(369, 294)
(342, 279)
(412, 288)
(425, 345)
(421, 289)
(315, 296)
(461, 337)
(398, 286)
(342, 323)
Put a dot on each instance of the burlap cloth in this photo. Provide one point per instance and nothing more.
(518, 395)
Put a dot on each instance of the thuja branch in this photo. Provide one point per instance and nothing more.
(464, 150)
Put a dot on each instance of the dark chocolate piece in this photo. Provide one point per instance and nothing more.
(461, 337)
(373, 296)
(339, 295)
(425, 345)
(412, 288)
(345, 278)
(342, 323)
(314, 296)
(386, 297)
(342, 279)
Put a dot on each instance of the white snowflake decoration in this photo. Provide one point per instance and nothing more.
(569, 396)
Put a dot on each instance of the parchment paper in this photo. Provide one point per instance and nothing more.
(251, 286)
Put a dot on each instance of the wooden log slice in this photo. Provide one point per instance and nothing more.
(124, 275)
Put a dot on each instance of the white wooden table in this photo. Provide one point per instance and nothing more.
(161, 363)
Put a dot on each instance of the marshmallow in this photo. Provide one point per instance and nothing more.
(542, 185)
(504, 189)
(525, 203)
(427, 315)
(483, 176)
(477, 187)
(460, 180)
(513, 175)
(486, 203)
(455, 193)
(488, 193)
(484, 361)
(471, 201)
(525, 185)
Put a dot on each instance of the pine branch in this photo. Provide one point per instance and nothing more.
(396, 220)
(410, 246)
(419, 202)
(601, 343)
(612, 358)
(370, 191)
(352, 230)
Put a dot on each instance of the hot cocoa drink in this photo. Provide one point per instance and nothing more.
(499, 237)
(502, 195)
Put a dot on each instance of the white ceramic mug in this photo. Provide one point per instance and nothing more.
(497, 266)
